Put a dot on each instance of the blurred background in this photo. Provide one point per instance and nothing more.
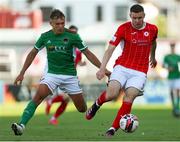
(22, 22)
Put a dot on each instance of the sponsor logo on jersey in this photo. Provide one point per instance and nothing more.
(133, 33)
(56, 48)
(51, 48)
(60, 48)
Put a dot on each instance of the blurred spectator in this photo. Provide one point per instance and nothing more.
(171, 62)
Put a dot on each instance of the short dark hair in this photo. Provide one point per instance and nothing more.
(136, 8)
(73, 27)
(56, 13)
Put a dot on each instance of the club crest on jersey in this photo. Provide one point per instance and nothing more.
(65, 40)
(146, 33)
(134, 40)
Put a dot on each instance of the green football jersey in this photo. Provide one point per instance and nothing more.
(60, 50)
(171, 61)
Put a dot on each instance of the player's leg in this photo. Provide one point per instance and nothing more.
(178, 99)
(176, 87)
(64, 102)
(72, 88)
(172, 85)
(172, 99)
(42, 92)
(130, 94)
(48, 84)
(176, 111)
(102, 98)
(116, 81)
(79, 102)
(177, 102)
(48, 105)
(133, 88)
(94, 108)
(111, 94)
(54, 99)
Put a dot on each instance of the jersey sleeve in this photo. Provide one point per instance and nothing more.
(78, 43)
(39, 43)
(118, 36)
(165, 62)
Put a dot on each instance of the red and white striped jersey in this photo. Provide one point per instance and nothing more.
(137, 45)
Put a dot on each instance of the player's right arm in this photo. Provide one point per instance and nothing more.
(30, 57)
(107, 55)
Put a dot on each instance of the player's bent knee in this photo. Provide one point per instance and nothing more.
(111, 97)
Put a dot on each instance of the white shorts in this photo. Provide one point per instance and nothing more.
(174, 83)
(129, 77)
(67, 83)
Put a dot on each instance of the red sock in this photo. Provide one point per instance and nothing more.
(57, 98)
(102, 98)
(124, 109)
(60, 109)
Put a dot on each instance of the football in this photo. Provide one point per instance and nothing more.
(129, 123)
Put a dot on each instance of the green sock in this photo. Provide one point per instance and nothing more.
(28, 112)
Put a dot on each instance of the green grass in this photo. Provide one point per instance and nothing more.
(156, 124)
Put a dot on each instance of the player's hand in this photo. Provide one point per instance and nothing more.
(82, 63)
(107, 73)
(171, 69)
(19, 79)
(100, 74)
(153, 62)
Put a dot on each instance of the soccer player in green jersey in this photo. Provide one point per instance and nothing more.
(61, 72)
(61, 97)
(171, 62)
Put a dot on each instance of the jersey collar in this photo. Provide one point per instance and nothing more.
(144, 25)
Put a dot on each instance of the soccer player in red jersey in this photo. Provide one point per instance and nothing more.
(130, 69)
(62, 98)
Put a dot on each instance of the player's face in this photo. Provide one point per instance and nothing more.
(137, 19)
(57, 25)
(173, 50)
(73, 30)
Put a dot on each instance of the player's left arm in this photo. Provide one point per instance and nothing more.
(91, 57)
(153, 61)
(83, 48)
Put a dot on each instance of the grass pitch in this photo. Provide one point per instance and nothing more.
(155, 125)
